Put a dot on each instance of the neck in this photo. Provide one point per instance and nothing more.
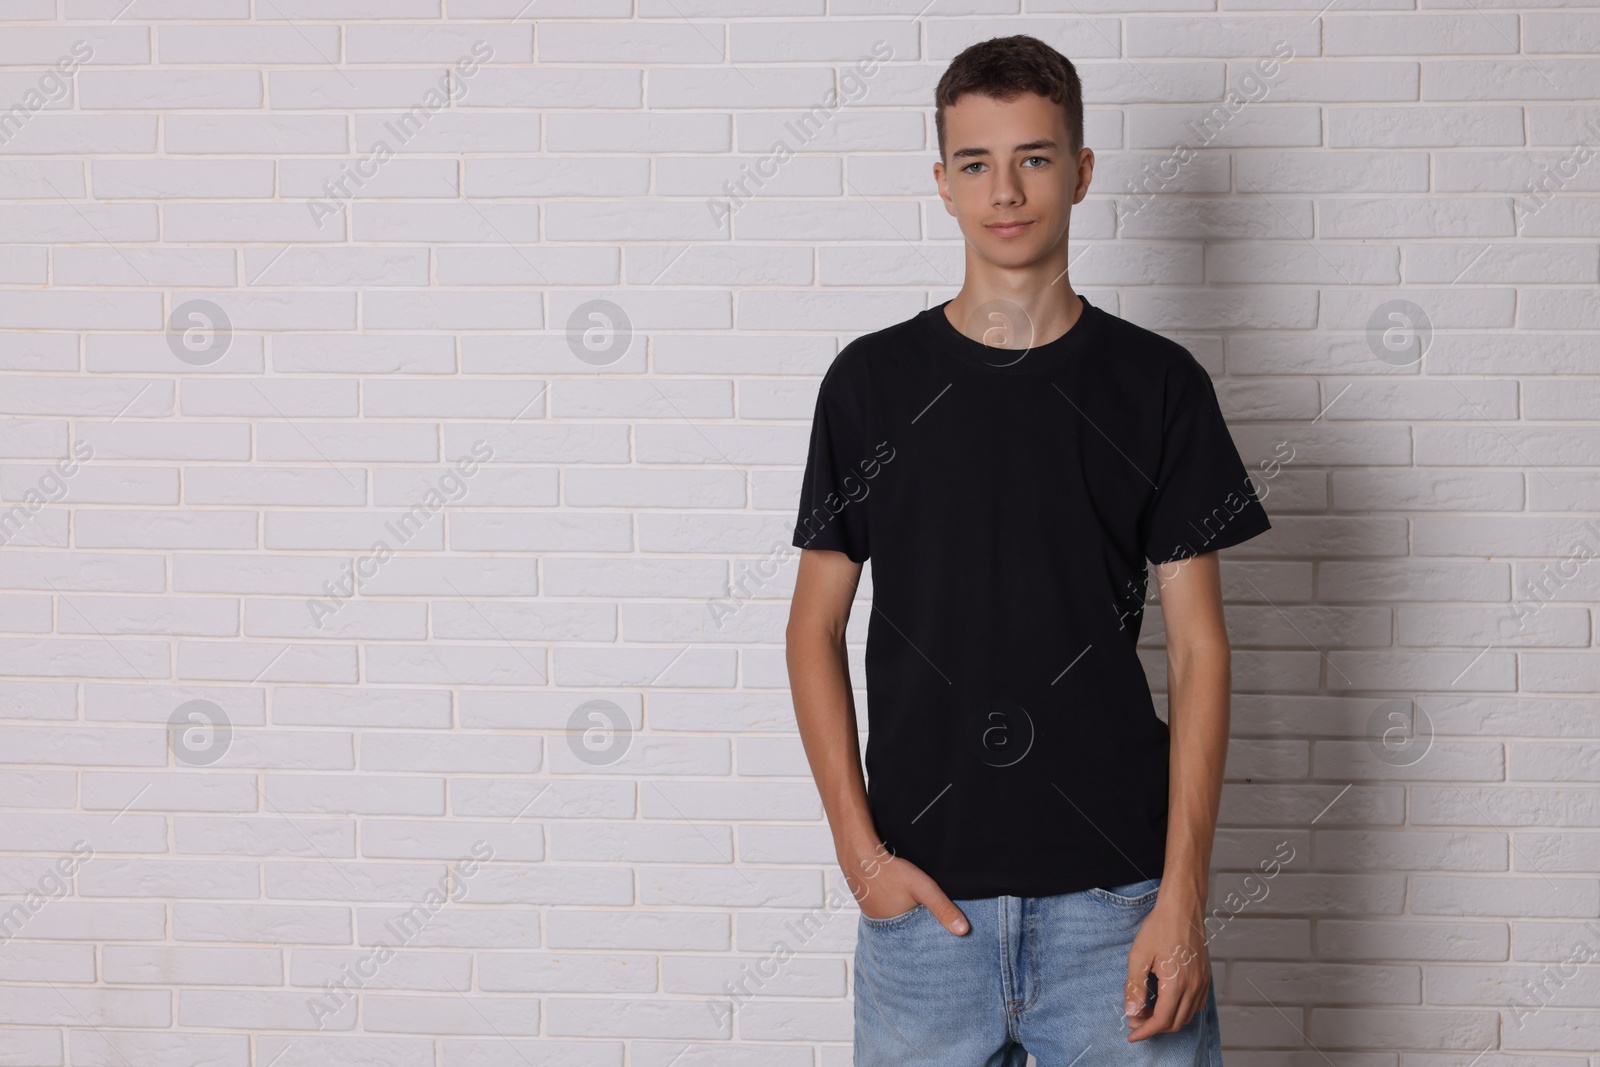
(1014, 315)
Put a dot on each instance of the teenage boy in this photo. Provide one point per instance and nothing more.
(1031, 846)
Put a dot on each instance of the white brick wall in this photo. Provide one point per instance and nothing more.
(184, 524)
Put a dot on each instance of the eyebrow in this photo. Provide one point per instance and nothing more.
(1030, 146)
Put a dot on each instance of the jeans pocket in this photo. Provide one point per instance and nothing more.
(1131, 895)
(890, 920)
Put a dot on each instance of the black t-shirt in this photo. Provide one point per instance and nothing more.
(1008, 501)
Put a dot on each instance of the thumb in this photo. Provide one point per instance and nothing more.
(944, 909)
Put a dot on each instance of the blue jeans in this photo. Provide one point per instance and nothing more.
(1034, 974)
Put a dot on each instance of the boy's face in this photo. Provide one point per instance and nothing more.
(1012, 179)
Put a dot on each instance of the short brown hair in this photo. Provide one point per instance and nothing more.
(1005, 68)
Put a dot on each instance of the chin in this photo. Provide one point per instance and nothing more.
(1009, 255)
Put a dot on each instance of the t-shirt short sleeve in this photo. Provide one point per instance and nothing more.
(1204, 500)
(840, 466)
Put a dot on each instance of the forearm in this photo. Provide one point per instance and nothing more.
(824, 704)
(1198, 682)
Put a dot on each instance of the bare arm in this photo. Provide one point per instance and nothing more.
(824, 706)
(824, 702)
(1172, 940)
(1199, 677)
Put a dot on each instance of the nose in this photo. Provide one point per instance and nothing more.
(1007, 190)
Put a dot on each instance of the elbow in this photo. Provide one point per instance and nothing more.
(812, 632)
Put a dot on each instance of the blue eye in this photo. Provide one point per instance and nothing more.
(1042, 160)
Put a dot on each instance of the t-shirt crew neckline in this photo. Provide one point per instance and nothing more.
(1036, 360)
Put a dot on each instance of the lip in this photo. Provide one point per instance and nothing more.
(1007, 229)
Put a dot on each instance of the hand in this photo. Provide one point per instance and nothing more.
(894, 885)
(1171, 942)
